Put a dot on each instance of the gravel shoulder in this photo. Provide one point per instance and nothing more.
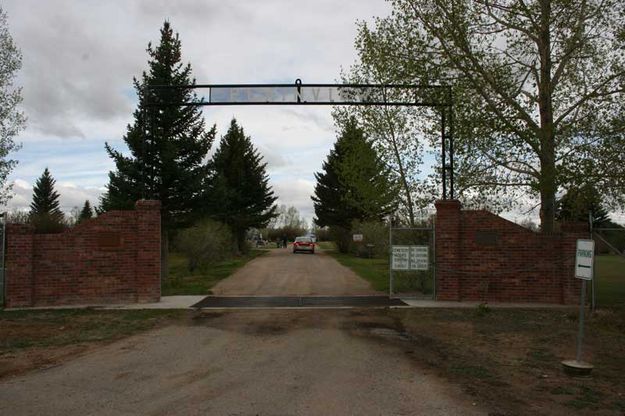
(283, 273)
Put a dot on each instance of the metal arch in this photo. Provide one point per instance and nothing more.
(442, 99)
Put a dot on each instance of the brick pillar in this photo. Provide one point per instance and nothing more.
(19, 276)
(448, 256)
(148, 275)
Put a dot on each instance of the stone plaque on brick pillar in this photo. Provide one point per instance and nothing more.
(109, 240)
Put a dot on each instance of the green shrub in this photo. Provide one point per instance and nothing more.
(275, 234)
(206, 243)
(375, 239)
(342, 237)
(482, 309)
(48, 223)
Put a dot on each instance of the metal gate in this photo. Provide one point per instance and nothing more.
(412, 271)
(2, 251)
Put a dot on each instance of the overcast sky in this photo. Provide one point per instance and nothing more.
(79, 58)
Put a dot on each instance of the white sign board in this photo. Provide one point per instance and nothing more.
(419, 258)
(400, 258)
(584, 259)
(410, 258)
(358, 237)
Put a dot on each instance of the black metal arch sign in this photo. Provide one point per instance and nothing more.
(436, 96)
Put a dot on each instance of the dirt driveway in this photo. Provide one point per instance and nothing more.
(283, 273)
(270, 362)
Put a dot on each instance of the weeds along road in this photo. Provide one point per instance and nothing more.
(254, 362)
(283, 273)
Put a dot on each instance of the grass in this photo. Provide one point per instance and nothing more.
(32, 339)
(610, 281)
(200, 281)
(375, 270)
(511, 359)
(60, 327)
(326, 245)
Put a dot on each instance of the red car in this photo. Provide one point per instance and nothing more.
(304, 244)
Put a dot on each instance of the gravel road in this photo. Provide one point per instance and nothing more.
(283, 273)
(268, 362)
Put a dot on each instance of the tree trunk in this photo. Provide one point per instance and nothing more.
(548, 191)
(240, 236)
(547, 183)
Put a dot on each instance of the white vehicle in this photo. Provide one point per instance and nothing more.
(313, 237)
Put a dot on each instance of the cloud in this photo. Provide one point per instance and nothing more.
(296, 193)
(79, 59)
(71, 195)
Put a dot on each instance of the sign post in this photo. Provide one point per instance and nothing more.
(584, 262)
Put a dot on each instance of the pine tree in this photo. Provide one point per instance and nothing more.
(580, 201)
(354, 184)
(86, 212)
(168, 143)
(45, 213)
(167, 162)
(238, 192)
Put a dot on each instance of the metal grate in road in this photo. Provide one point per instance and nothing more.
(296, 301)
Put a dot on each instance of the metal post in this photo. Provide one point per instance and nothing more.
(3, 222)
(298, 83)
(143, 145)
(390, 258)
(433, 240)
(444, 154)
(451, 149)
(580, 334)
(592, 284)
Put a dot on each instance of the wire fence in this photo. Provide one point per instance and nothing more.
(412, 262)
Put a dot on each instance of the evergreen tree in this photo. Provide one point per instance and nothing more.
(168, 143)
(45, 213)
(354, 184)
(86, 212)
(238, 191)
(580, 201)
(167, 162)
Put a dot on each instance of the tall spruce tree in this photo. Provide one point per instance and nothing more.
(238, 192)
(354, 184)
(578, 202)
(45, 213)
(168, 143)
(86, 212)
